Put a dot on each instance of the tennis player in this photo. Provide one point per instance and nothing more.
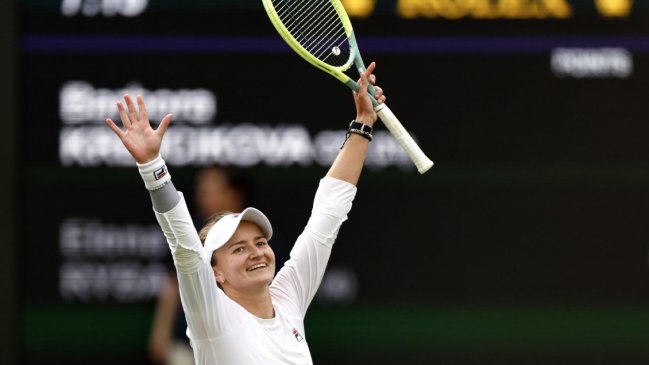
(238, 312)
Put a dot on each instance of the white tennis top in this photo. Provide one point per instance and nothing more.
(220, 330)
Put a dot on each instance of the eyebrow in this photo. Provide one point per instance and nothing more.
(244, 241)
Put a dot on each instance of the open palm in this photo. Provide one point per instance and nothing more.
(141, 141)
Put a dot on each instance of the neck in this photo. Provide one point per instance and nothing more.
(258, 304)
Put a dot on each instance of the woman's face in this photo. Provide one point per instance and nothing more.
(246, 263)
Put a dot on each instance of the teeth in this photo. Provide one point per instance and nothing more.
(258, 266)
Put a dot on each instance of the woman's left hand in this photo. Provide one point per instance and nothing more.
(364, 109)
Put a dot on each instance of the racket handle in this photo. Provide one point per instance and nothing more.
(402, 136)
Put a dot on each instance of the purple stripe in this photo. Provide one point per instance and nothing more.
(146, 44)
(274, 44)
(497, 44)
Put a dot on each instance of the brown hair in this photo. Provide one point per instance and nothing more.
(209, 223)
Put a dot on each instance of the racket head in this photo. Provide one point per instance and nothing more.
(318, 30)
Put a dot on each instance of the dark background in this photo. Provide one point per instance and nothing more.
(526, 243)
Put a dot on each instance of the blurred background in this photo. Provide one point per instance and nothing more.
(527, 243)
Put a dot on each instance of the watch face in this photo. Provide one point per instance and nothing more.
(358, 125)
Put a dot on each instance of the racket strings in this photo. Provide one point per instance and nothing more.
(317, 27)
(308, 36)
(330, 28)
(310, 33)
(301, 14)
(286, 6)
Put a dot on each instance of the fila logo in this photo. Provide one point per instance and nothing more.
(160, 173)
(297, 335)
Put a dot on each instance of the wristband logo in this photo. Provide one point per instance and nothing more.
(160, 173)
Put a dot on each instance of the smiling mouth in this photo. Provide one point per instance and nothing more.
(256, 267)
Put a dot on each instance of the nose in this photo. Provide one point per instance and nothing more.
(256, 252)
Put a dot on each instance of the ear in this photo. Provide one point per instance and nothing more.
(218, 276)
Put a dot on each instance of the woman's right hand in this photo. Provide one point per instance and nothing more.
(141, 141)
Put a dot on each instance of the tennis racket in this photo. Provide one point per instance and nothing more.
(320, 31)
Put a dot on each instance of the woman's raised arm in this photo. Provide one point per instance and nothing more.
(349, 162)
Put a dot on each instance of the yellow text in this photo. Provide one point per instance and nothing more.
(359, 8)
(614, 8)
(485, 9)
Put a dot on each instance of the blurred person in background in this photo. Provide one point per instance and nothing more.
(216, 189)
(238, 311)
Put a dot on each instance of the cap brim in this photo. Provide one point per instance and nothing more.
(224, 229)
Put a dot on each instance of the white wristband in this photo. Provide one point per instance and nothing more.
(154, 173)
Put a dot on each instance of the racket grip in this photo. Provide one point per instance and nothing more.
(402, 136)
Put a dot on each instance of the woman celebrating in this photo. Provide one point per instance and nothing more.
(237, 312)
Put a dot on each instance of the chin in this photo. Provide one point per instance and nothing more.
(267, 279)
(264, 279)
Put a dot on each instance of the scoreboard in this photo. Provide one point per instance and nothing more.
(532, 221)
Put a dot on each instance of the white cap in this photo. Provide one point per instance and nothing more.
(223, 230)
